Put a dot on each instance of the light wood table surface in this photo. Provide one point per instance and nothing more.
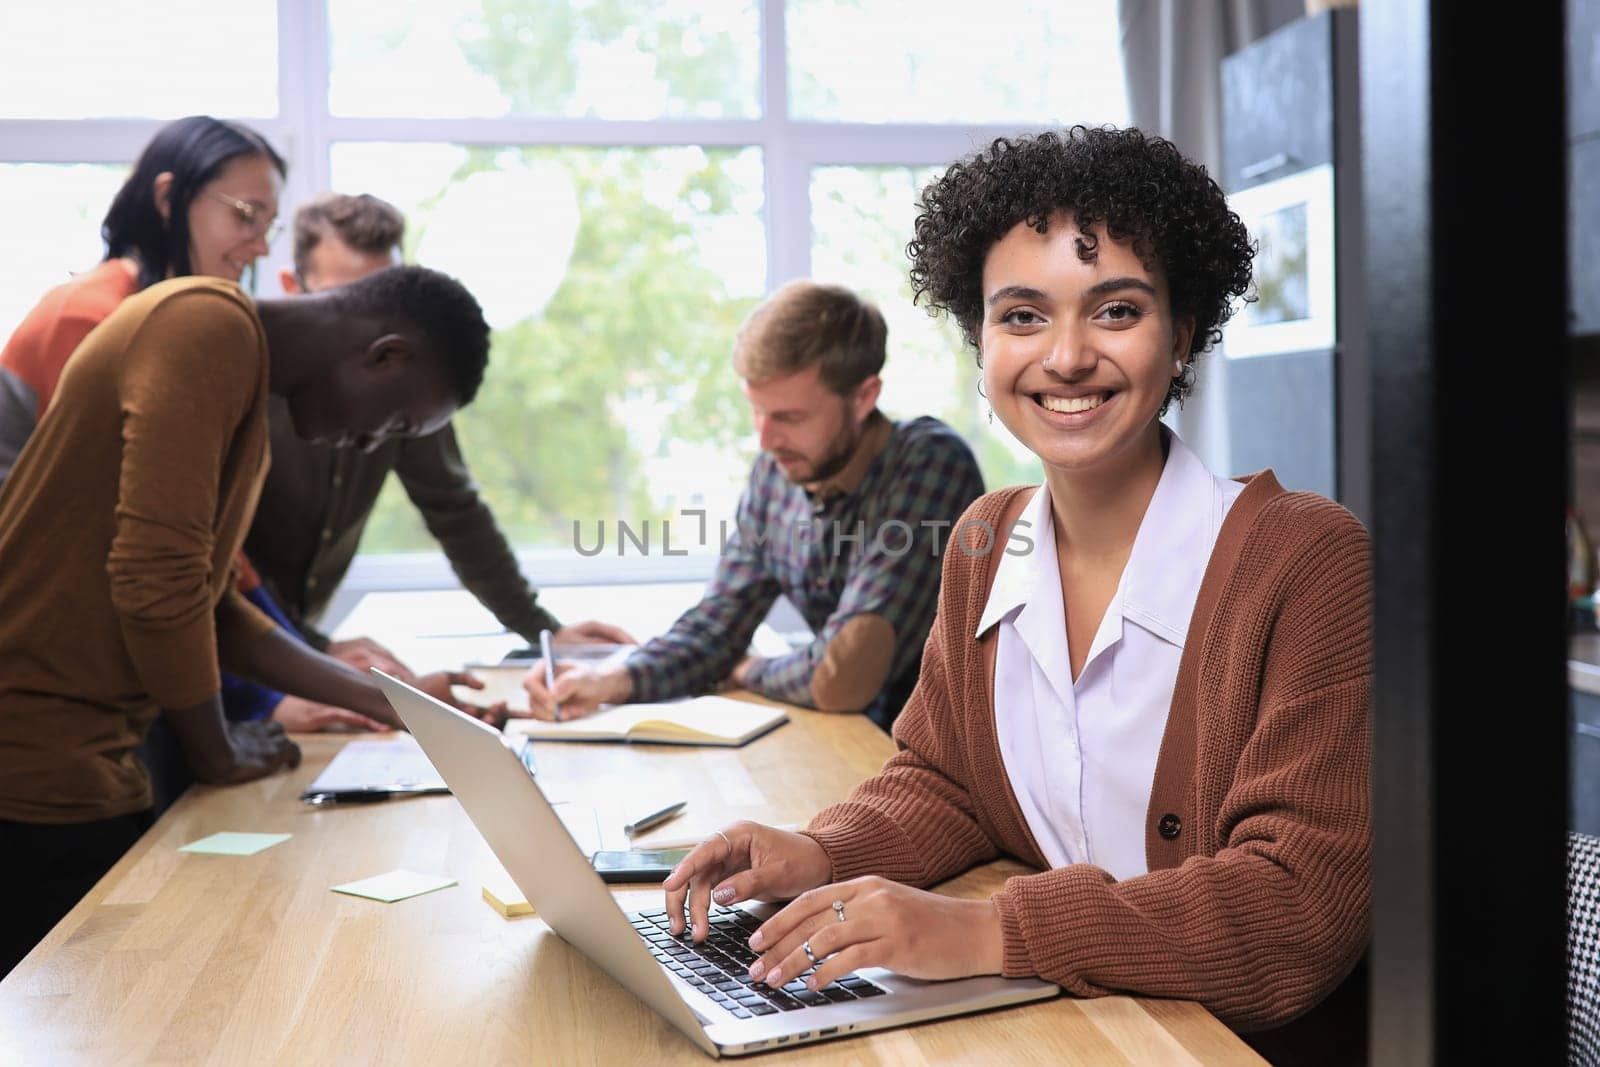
(180, 958)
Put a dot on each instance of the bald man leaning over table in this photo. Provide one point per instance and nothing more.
(119, 526)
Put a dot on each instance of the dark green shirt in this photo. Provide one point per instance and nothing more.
(316, 502)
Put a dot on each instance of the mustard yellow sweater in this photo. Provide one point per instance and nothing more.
(118, 530)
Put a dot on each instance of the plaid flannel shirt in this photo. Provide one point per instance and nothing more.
(874, 548)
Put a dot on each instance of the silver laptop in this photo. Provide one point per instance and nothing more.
(703, 989)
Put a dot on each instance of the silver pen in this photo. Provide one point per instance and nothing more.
(549, 667)
(655, 818)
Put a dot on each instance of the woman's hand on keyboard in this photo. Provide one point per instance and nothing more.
(873, 922)
(744, 861)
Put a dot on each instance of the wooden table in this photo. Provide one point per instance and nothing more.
(179, 958)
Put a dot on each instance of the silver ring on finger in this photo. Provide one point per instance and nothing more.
(806, 947)
(838, 909)
(725, 841)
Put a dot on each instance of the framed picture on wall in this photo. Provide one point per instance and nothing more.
(1291, 220)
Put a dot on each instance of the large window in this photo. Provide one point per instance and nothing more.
(1024, 61)
(614, 278)
(89, 59)
(619, 181)
(611, 59)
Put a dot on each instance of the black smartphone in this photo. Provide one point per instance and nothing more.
(639, 864)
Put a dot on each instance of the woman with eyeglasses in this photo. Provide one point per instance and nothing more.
(202, 199)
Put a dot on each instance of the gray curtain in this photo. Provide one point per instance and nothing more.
(1172, 54)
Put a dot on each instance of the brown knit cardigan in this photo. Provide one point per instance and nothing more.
(1258, 833)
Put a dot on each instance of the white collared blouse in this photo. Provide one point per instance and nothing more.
(1081, 755)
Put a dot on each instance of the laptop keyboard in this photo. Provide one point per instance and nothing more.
(719, 966)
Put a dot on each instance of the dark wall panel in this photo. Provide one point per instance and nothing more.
(1278, 109)
(1277, 104)
(1584, 226)
(1583, 68)
(1280, 415)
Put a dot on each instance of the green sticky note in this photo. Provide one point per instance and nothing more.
(396, 885)
(229, 843)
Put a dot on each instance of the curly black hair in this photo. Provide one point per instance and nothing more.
(436, 306)
(1140, 186)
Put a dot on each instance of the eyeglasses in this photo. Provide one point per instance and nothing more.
(251, 218)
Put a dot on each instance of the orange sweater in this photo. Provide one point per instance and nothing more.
(118, 529)
(31, 362)
(1258, 832)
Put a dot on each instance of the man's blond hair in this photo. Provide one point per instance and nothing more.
(806, 323)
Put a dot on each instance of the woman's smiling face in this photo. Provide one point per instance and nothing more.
(222, 241)
(1078, 351)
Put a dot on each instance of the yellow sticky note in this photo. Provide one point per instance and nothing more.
(503, 896)
(396, 885)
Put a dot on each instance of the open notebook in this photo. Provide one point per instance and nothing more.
(699, 721)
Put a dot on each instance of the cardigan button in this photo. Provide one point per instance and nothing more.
(1170, 826)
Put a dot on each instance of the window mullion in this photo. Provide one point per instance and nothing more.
(302, 115)
(788, 205)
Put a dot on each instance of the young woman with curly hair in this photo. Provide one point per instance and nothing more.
(1149, 682)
